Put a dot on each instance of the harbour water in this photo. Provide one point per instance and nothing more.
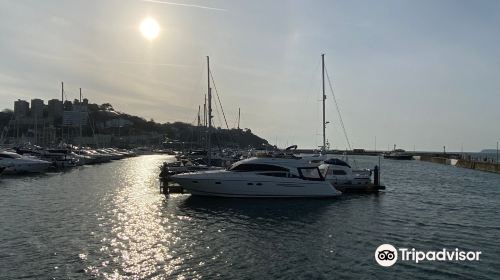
(109, 221)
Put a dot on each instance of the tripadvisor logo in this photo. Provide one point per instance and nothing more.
(387, 255)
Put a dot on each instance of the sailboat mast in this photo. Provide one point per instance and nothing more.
(324, 98)
(80, 118)
(239, 115)
(62, 105)
(209, 114)
(199, 118)
(205, 112)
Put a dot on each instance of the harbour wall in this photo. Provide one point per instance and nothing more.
(478, 165)
(465, 163)
(362, 152)
(440, 160)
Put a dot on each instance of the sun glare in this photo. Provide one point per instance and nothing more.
(149, 28)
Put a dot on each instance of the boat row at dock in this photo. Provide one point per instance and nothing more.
(34, 159)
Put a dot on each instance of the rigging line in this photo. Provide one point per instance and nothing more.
(218, 98)
(216, 135)
(231, 136)
(219, 119)
(338, 111)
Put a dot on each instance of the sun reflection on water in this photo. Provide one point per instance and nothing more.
(137, 236)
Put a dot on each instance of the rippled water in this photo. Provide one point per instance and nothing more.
(110, 222)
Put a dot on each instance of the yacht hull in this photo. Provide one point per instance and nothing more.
(252, 186)
(27, 168)
(215, 194)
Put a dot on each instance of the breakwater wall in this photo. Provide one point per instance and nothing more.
(479, 165)
(465, 163)
(362, 152)
(440, 160)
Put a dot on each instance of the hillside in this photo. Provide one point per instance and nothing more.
(120, 127)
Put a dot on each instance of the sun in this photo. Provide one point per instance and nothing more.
(149, 28)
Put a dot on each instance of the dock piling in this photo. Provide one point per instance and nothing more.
(376, 176)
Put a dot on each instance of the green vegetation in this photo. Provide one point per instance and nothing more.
(176, 132)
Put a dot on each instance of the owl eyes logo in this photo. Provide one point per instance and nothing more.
(386, 255)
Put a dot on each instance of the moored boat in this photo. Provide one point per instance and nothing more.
(260, 177)
(398, 155)
(14, 163)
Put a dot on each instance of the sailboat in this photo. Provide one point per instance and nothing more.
(197, 160)
(336, 171)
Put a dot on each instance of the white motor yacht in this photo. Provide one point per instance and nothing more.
(260, 177)
(16, 164)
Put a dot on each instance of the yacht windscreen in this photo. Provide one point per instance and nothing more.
(311, 173)
(336, 161)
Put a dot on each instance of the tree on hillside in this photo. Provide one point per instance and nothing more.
(106, 107)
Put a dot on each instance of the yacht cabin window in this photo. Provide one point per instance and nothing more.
(278, 174)
(250, 167)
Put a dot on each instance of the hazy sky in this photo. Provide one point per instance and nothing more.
(423, 73)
